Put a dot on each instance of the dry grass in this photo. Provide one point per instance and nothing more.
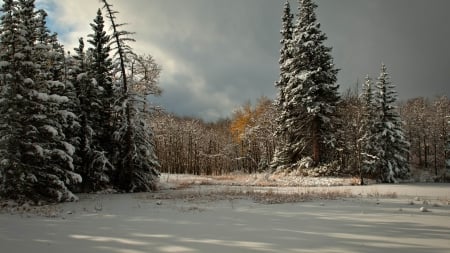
(229, 177)
(385, 195)
(270, 197)
(264, 196)
(259, 179)
(28, 209)
(355, 181)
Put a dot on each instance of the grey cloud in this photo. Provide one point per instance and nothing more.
(410, 36)
(218, 54)
(225, 43)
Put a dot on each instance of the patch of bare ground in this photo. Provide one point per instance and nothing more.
(271, 197)
(176, 181)
(257, 194)
(382, 195)
(29, 209)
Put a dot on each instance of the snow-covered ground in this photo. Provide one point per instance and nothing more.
(211, 218)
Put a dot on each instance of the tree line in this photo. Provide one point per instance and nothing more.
(245, 142)
(367, 135)
(72, 123)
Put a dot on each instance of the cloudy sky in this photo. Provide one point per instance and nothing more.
(218, 54)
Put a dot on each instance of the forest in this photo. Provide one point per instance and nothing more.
(245, 142)
(83, 122)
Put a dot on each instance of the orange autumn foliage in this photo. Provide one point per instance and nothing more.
(246, 117)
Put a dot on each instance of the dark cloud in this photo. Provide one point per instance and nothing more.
(409, 36)
(217, 54)
(229, 49)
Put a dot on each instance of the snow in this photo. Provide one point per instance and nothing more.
(39, 95)
(19, 55)
(197, 220)
(51, 130)
(82, 76)
(4, 162)
(69, 148)
(4, 64)
(56, 84)
(58, 99)
(46, 97)
(304, 75)
(67, 114)
(28, 81)
(39, 150)
(74, 177)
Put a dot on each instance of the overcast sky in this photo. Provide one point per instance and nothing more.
(218, 54)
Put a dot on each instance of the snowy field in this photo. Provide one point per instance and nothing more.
(212, 218)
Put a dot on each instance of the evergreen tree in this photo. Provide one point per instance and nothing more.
(9, 43)
(93, 166)
(368, 142)
(135, 159)
(53, 67)
(392, 146)
(101, 71)
(310, 93)
(38, 162)
(281, 158)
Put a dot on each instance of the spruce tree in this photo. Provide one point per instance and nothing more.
(281, 158)
(368, 141)
(101, 70)
(310, 94)
(102, 120)
(9, 43)
(38, 162)
(94, 166)
(135, 158)
(392, 146)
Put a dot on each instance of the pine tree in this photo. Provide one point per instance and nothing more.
(392, 146)
(310, 94)
(281, 158)
(368, 142)
(101, 70)
(51, 58)
(9, 43)
(135, 159)
(94, 166)
(38, 164)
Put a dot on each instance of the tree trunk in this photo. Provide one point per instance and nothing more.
(315, 142)
(435, 160)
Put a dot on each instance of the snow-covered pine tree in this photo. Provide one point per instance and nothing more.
(76, 75)
(93, 166)
(367, 130)
(51, 58)
(311, 94)
(281, 156)
(9, 41)
(135, 160)
(390, 141)
(38, 164)
(101, 70)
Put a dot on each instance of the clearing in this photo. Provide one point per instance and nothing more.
(216, 214)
